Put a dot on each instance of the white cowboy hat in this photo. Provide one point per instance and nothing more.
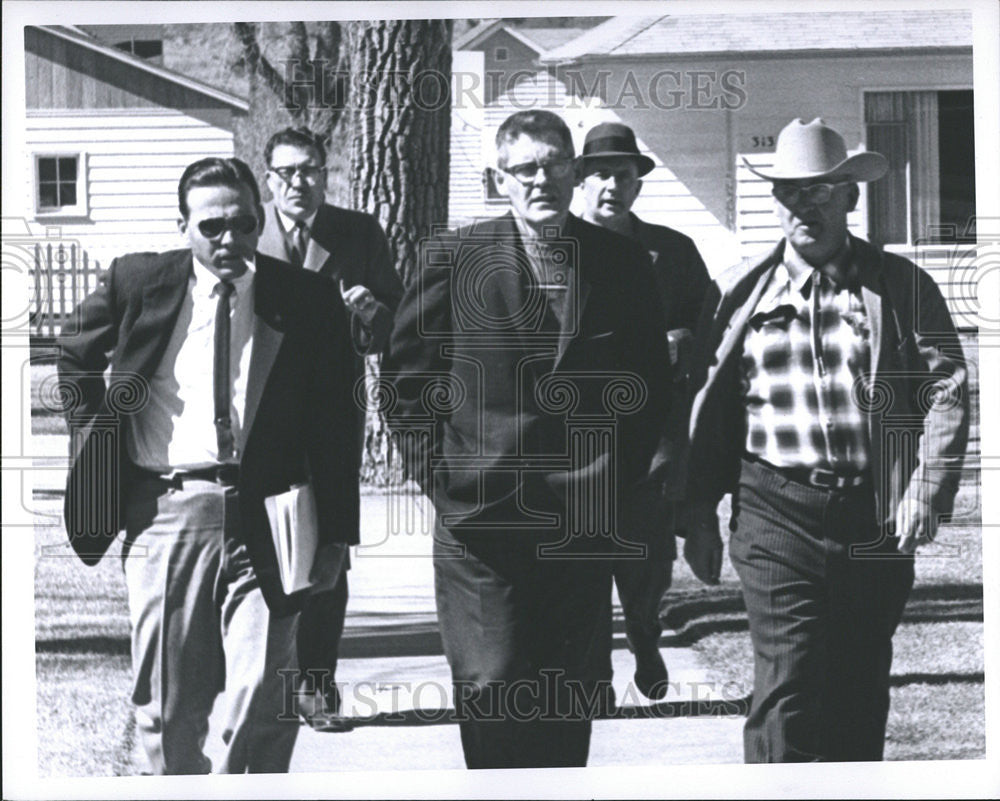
(813, 150)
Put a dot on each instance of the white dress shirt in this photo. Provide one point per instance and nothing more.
(176, 428)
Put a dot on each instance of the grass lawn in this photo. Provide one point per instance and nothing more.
(84, 714)
(82, 666)
(938, 708)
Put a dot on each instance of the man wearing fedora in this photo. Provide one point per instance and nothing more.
(611, 171)
(830, 398)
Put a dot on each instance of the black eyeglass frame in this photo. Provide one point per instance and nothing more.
(309, 172)
(554, 168)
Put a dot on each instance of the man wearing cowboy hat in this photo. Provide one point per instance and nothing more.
(830, 398)
(611, 170)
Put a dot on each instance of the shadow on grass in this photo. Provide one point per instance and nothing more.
(691, 620)
(446, 716)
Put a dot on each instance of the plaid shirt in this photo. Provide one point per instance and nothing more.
(802, 355)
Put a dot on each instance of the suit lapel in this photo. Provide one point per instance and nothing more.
(147, 339)
(735, 309)
(870, 271)
(272, 238)
(266, 343)
(573, 322)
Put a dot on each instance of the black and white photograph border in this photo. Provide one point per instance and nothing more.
(393, 675)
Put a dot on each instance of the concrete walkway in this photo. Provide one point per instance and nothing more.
(396, 683)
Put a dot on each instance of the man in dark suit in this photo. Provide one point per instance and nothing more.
(528, 374)
(230, 382)
(350, 249)
(611, 170)
(831, 400)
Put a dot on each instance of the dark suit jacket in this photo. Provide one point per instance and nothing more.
(485, 394)
(299, 396)
(915, 352)
(681, 275)
(347, 246)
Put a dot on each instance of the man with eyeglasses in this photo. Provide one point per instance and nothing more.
(611, 179)
(230, 375)
(529, 376)
(831, 401)
(350, 249)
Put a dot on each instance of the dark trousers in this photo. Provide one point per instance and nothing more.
(523, 636)
(321, 625)
(821, 618)
(646, 519)
(641, 585)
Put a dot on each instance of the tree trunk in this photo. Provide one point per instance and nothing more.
(400, 103)
(401, 106)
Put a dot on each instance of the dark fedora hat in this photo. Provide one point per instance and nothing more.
(614, 139)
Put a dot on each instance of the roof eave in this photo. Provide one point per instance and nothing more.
(548, 61)
(235, 101)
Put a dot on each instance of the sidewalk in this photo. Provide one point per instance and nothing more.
(396, 683)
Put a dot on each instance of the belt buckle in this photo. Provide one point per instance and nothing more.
(825, 479)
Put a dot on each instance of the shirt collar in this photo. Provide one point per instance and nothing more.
(288, 224)
(206, 280)
(841, 264)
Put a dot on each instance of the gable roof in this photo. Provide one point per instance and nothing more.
(643, 36)
(81, 38)
(538, 39)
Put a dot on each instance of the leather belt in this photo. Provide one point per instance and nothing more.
(226, 475)
(814, 476)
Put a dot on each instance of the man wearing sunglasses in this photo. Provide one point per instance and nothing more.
(350, 249)
(830, 399)
(529, 380)
(230, 378)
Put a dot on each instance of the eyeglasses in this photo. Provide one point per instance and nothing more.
(307, 171)
(525, 173)
(791, 194)
(212, 227)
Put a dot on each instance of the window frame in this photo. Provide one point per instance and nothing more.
(82, 206)
(912, 241)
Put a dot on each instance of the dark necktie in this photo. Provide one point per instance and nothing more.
(298, 242)
(220, 373)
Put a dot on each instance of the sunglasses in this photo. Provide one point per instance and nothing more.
(308, 172)
(212, 227)
(525, 173)
(817, 194)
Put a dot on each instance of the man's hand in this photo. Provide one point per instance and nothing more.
(327, 565)
(699, 525)
(916, 524)
(360, 301)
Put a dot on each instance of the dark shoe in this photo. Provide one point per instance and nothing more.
(651, 673)
(323, 713)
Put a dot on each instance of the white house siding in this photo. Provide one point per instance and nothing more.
(702, 190)
(664, 198)
(134, 160)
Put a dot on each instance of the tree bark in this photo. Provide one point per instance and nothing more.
(400, 107)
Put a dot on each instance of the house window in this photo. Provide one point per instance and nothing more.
(60, 184)
(150, 49)
(929, 193)
(501, 54)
